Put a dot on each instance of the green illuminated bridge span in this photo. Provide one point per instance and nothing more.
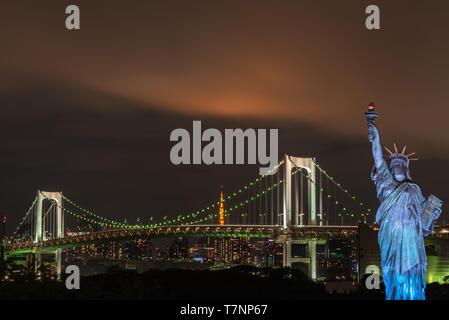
(276, 233)
(255, 231)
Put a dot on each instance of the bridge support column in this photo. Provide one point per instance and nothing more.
(287, 253)
(38, 218)
(312, 257)
(37, 263)
(58, 263)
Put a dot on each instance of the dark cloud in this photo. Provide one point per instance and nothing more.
(307, 60)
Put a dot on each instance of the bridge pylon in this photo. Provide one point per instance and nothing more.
(309, 165)
(39, 232)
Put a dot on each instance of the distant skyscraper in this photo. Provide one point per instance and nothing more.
(221, 210)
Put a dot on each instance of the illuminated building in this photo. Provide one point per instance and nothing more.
(236, 250)
(221, 250)
(206, 246)
(277, 255)
(202, 254)
(258, 252)
(239, 250)
(178, 248)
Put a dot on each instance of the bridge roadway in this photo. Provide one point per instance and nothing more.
(274, 232)
(310, 235)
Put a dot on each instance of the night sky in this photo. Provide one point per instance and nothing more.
(90, 112)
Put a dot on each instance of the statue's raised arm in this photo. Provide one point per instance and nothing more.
(373, 137)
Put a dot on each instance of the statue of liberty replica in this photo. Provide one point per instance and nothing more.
(405, 218)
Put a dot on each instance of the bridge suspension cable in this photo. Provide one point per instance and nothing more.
(257, 202)
(331, 197)
(203, 212)
(229, 210)
(107, 222)
(23, 220)
(345, 191)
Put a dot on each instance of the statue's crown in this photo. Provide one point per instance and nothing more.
(400, 155)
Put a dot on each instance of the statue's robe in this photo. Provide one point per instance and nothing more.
(401, 236)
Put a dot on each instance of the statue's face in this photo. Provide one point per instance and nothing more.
(399, 170)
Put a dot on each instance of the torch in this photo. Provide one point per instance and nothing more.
(371, 115)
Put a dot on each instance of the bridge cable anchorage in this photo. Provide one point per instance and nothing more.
(351, 196)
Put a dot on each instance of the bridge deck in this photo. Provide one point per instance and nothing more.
(254, 231)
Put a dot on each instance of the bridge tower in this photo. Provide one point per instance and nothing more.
(39, 234)
(309, 166)
(289, 222)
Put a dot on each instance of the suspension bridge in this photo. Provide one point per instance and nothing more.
(299, 203)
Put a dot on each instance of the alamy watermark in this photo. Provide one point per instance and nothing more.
(73, 280)
(189, 147)
(372, 22)
(72, 22)
(373, 280)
